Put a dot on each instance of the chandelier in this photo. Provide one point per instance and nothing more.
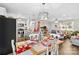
(43, 15)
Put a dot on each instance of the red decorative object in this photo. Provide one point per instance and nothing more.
(27, 47)
(36, 29)
(20, 50)
(49, 45)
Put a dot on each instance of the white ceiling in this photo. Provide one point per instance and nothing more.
(56, 10)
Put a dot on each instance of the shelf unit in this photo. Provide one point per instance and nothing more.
(21, 27)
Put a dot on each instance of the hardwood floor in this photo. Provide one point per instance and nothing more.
(67, 49)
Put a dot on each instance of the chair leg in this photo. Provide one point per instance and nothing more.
(57, 49)
(47, 51)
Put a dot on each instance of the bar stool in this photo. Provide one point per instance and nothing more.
(55, 50)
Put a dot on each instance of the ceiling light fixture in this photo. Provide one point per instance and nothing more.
(43, 14)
